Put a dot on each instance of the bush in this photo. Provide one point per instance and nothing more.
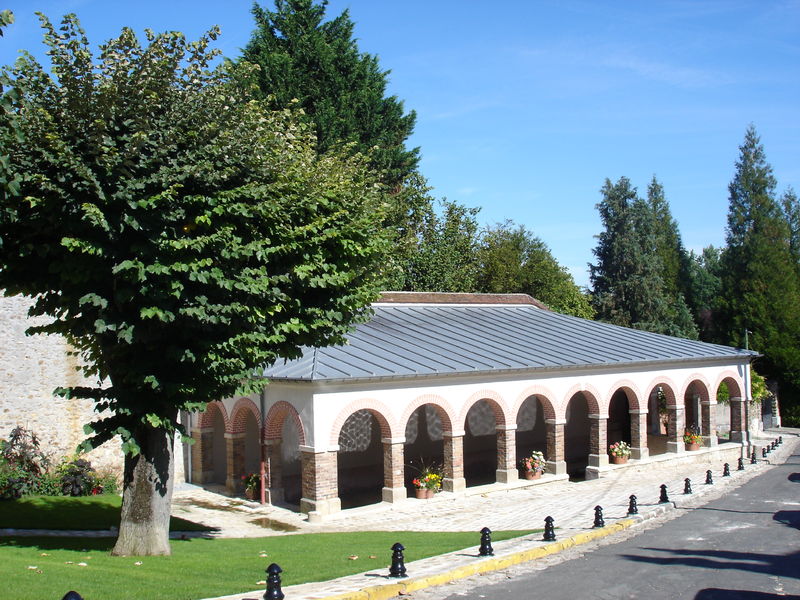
(22, 463)
(77, 478)
(790, 416)
(48, 484)
(107, 482)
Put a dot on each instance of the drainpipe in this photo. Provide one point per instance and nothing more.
(747, 394)
(188, 448)
(263, 405)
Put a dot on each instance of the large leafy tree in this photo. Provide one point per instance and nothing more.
(760, 290)
(9, 130)
(317, 64)
(179, 236)
(703, 290)
(513, 260)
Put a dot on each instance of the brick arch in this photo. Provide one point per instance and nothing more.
(592, 396)
(669, 388)
(631, 391)
(207, 416)
(443, 409)
(545, 397)
(704, 386)
(377, 408)
(241, 409)
(728, 377)
(494, 399)
(276, 415)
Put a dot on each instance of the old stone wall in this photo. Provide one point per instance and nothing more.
(31, 367)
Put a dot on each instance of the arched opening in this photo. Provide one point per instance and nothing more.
(360, 460)
(576, 436)
(691, 407)
(480, 444)
(424, 445)
(619, 419)
(723, 412)
(290, 463)
(657, 419)
(252, 445)
(219, 450)
(531, 433)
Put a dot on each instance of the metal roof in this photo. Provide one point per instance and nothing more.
(411, 340)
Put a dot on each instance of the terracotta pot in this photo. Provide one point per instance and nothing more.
(530, 475)
(250, 493)
(423, 493)
(691, 447)
(618, 460)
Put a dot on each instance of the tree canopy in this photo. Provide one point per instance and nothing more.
(179, 235)
(315, 63)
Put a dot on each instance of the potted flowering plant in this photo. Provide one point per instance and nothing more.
(428, 483)
(692, 439)
(533, 466)
(619, 452)
(252, 485)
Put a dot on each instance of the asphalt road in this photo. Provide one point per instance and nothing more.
(745, 545)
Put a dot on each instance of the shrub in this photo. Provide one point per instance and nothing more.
(48, 484)
(22, 463)
(107, 482)
(77, 477)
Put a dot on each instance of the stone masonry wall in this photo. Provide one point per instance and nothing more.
(31, 367)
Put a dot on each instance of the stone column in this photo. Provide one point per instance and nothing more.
(554, 431)
(598, 453)
(708, 422)
(202, 455)
(320, 482)
(506, 454)
(234, 456)
(454, 462)
(639, 447)
(675, 429)
(738, 426)
(274, 466)
(394, 489)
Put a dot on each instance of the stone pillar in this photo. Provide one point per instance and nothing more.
(506, 454)
(598, 451)
(320, 482)
(554, 430)
(394, 489)
(234, 456)
(454, 462)
(708, 422)
(738, 426)
(675, 429)
(202, 455)
(639, 449)
(274, 467)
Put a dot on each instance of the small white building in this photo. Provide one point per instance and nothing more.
(472, 382)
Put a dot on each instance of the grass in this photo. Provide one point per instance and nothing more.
(63, 512)
(37, 568)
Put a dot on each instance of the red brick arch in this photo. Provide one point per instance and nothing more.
(702, 386)
(591, 394)
(378, 409)
(276, 415)
(631, 391)
(735, 384)
(207, 416)
(242, 408)
(494, 399)
(443, 409)
(544, 395)
(669, 388)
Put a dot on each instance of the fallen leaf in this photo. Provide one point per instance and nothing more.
(352, 557)
(138, 563)
(262, 582)
(68, 562)
(82, 564)
(44, 554)
(32, 568)
(372, 556)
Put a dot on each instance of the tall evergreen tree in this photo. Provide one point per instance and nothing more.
(791, 212)
(704, 290)
(628, 288)
(759, 283)
(513, 260)
(317, 64)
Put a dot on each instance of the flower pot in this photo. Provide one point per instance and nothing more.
(423, 493)
(250, 493)
(618, 460)
(531, 475)
(691, 447)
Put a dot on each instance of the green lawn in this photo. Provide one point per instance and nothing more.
(62, 512)
(37, 568)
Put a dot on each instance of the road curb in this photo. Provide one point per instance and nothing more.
(390, 590)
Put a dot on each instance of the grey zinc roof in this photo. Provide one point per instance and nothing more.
(422, 340)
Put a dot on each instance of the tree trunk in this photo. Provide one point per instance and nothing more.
(147, 497)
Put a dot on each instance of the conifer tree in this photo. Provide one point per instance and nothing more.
(704, 289)
(791, 212)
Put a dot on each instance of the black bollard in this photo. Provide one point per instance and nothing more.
(72, 595)
(763, 453)
(780, 440)
(633, 508)
(726, 470)
(687, 486)
(753, 459)
(663, 498)
(486, 543)
(709, 478)
(398, 568)
(273, 583)
(772, 446)
(740, 464)
(549, 530)
(598, 517)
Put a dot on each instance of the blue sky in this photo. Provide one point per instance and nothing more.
(525, 111)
